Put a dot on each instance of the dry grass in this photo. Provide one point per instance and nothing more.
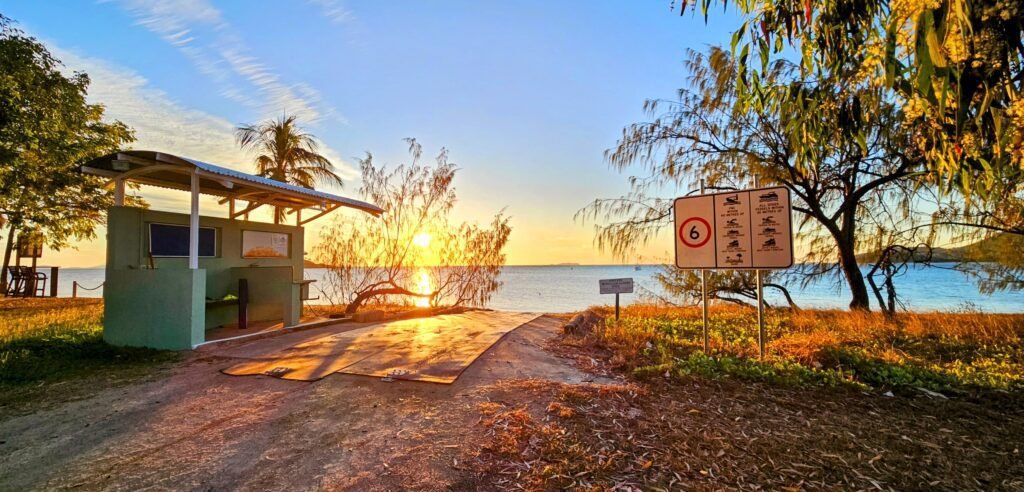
(692, 421)
(937, 351)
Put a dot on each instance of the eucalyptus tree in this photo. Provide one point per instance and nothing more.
(854, 176)
(47, 129)
(287, 153)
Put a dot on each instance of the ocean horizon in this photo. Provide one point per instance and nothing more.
(567, 288)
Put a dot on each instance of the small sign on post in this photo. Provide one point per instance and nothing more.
(616, 286)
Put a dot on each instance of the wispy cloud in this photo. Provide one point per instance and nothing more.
(160, 122)
(333, 10)
(216, 48)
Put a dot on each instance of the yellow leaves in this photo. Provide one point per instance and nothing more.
(935, 49)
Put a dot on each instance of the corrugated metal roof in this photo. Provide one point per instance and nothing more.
(287, 194)
(231, 173)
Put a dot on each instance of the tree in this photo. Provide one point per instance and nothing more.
(47, 129)
(738, 287)
(412, 250)
(848, 167)
(954, 67)
(286, 153)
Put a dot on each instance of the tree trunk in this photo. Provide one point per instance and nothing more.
(7, 258)
(785, 292)
(854, 277)
(364, 296)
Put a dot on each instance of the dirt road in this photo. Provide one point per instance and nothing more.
(199, 429)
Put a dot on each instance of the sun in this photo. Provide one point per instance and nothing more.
(422, 240)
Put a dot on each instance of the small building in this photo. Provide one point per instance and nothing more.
(171, 277)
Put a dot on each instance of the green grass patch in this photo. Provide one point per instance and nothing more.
(49, 340)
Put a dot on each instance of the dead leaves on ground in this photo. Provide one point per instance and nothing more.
(699, 435)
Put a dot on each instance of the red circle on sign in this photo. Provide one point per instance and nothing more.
(683, 237)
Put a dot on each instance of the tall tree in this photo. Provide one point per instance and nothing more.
(852, 182)
(286, 153)
(412, 251)
(955, 67)
(47, 129)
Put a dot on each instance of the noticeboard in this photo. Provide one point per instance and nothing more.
(735, 230)
(616, 285)
(30, 245)
(263, 244)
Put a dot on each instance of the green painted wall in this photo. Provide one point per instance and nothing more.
(154, 308)
(165, 307)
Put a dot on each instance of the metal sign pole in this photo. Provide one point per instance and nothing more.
(616, 306)
(762, 337)
(704, 293)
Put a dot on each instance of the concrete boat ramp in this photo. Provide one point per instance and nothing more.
(436, 349)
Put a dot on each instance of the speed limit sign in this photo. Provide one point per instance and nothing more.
(695, 232)
(735, 230)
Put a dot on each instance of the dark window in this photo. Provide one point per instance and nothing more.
(172, 240)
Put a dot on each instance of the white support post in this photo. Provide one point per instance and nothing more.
(193, 225)
(762, 335)
(704, 295)
(119, 192)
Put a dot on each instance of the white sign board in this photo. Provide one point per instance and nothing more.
(616, 286)
(261, 244)
(735, 230)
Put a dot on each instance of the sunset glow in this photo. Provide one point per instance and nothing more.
(423, 286)
(422, 240)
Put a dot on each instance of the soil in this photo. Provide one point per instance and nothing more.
(519, 417)
(198, 429)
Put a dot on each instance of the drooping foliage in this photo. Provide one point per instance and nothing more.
(955, 68)
(854, 184)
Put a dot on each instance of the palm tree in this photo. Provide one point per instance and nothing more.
(286, 153)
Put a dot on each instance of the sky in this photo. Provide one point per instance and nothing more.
(526, 95)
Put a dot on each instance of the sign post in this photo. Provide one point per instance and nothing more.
(704, 297)
(735, 230)
(616, 286)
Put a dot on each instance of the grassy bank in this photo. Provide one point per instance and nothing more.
(51, 340)
(728, 420)
(945, 352)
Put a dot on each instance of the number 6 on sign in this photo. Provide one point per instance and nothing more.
(695, 232)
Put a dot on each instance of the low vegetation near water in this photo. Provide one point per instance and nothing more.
(51, 340)
(728, 420)
(951, 353)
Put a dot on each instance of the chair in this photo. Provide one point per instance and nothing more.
(38, 282)
(26, 283)
(16, 285)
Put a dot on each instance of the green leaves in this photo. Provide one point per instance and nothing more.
(47, 129)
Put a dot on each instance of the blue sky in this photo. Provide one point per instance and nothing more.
(525, 95)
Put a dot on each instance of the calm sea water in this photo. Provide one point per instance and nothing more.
(571, 288)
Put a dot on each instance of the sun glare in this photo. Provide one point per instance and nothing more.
(422, 240)
(423, 286)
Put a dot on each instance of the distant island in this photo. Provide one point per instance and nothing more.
(986, 250)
